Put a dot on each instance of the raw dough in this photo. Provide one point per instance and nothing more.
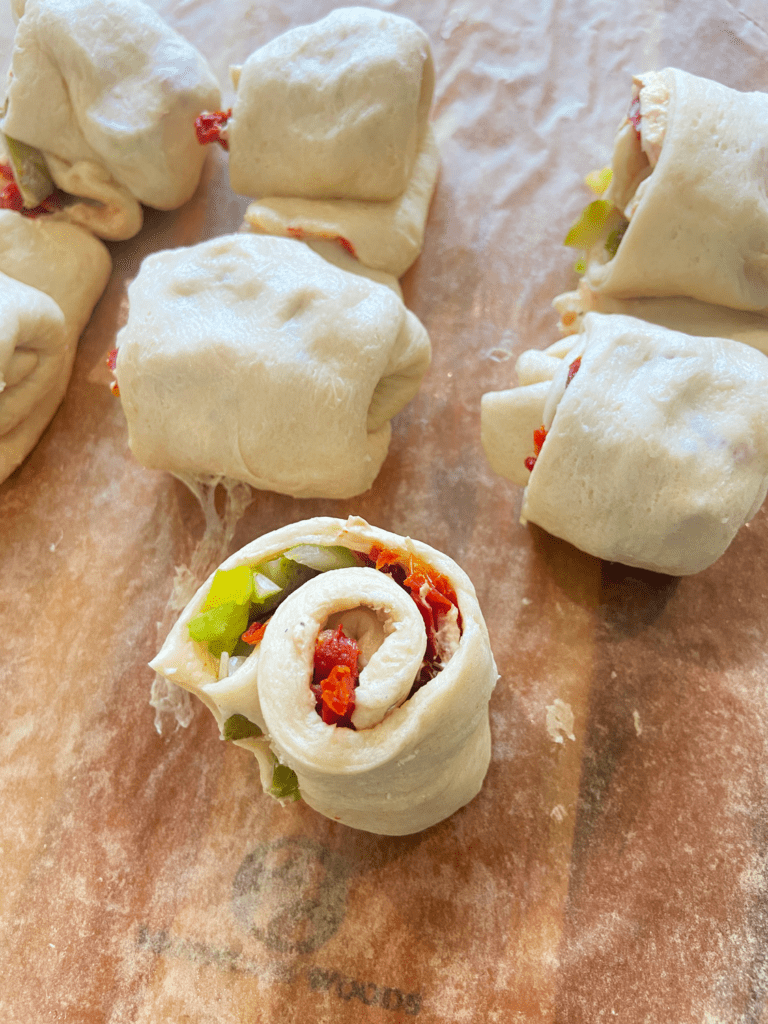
(656, 452)
(329, 132)
(403, 769)
(699, 217)
(51, 276)
(253, 358)
(109, 94)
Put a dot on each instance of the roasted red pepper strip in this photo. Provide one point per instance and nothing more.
(208, 127)
(335, 676)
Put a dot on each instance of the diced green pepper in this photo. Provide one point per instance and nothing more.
(285, 785)
(220, 627)
(230, 586)
(589, 228)
(238, 727)
(599, 180)
(30, 172)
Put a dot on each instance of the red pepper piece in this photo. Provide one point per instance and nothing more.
(254, 633)
(335, 676)
(573, 369)
(296, 232)
(338, 696)
(346, 244)
(10, 198)
(6, 172)
(634, 115)
(208, 127)
(112, 359)
(539, 437)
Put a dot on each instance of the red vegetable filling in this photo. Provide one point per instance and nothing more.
(634, 115)
(540, 435)
(434, 597)
(335, 669)
(209, 125)
(335, 677)
(11, 198)
(573, 369)
(254, 633)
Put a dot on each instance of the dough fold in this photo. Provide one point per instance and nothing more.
(108, 93)
(252, 357)
(656, 451)
(693, 188)
(412, 760)
(51, 276)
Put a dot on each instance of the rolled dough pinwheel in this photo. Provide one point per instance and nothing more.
(329, 133)
(101, 101)
(51, 276)
(636, 443)
(686, 211)
(362, 678)
(253, 358)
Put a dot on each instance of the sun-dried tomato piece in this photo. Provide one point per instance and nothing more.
(337, 696)
(539, 437)
(254, 633)
(573, 369)
(335, 676)
(10, 198)
(346, 244)
(209, 126)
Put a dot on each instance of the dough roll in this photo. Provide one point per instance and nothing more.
(51, 276)
(689, 178)
(650, 446)
(108, 94)
(417, 745)
(329, 133)
(254, 358)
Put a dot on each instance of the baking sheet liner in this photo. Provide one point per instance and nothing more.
(612, 869)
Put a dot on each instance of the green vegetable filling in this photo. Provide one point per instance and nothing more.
(285, 785)
(238, 727)
(248, 594)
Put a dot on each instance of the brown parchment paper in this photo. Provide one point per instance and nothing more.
(618, 875)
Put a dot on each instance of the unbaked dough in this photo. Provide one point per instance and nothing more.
(693, 187)
(329, 132)
(253, 358)
(108, 93)
(51, 276)
(411, 761)
(691, 316)
(656, 452)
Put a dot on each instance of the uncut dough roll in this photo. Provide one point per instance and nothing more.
(693, 189)
(108, 93)
(411, 761)
(253, 358)
(329, 133)
(656, 451)
(51, 276)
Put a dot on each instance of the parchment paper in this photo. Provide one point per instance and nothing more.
(618, 875)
